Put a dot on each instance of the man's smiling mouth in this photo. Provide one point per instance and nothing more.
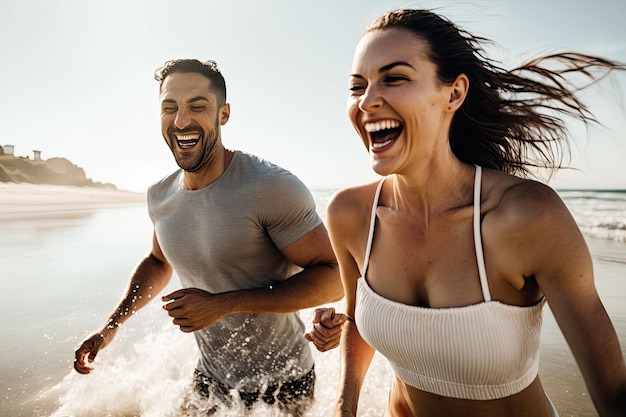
(187, 140)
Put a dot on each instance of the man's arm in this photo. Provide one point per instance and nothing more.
(318, 283)
(149, 277)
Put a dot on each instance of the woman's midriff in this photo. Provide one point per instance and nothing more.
(406, 401)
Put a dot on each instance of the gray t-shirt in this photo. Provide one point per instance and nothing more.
(227, 236)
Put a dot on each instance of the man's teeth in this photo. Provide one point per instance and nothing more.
(187, 141)
(378, 126)
(377, 145)
(188, 137)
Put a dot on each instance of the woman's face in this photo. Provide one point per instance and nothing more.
(397, 104)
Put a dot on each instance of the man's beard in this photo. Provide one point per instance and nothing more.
(200, 157)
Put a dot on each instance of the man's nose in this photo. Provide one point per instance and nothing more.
(182, 118)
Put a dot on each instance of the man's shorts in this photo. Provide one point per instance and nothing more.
(286, 395)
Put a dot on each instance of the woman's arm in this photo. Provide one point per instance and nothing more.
(346, 230)
(554, 251)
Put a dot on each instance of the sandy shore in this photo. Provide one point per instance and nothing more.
(20, 199)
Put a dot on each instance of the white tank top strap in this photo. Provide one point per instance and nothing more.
(478, 243)
(370, 237)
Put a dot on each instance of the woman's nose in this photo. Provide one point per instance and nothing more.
(371, 99)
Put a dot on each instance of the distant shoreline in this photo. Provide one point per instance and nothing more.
(23, 198)
(596, 190)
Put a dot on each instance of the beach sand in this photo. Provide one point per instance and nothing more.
(22, 200)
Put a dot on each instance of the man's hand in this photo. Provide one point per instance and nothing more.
(326, 332)
(193, 309)
(89, 349)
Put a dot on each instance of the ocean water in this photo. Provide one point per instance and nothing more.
(599, 214)
(61, 272)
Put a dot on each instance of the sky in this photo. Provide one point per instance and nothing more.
(76, 78)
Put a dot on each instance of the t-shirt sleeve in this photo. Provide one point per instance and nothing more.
(286, 209)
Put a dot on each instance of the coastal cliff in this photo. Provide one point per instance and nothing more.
(54, 171)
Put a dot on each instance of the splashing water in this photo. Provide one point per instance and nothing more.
(149, 381)
(153, 378)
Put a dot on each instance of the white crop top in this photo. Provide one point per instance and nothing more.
(483, 351)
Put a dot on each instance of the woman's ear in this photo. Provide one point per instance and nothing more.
(458, 92)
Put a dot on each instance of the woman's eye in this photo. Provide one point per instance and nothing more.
(390, 79)
(357, 88)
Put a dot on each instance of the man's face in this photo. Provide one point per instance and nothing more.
(190, 119)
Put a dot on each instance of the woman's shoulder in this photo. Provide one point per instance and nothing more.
(350, 208)
(354, 199)
(525, 225)
(516, 202)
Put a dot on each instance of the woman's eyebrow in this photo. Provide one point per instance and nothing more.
(387, 68)
(395, 64)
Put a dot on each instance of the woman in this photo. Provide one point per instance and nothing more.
(448, 261)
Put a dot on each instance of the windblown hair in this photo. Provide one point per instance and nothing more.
(207, 69)
(511, 120)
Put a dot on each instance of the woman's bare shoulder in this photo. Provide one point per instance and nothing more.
(527, 229)
(518, 201)
(526, 220)
(352, 200)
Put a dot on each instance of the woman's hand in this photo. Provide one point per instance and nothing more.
(326, 332)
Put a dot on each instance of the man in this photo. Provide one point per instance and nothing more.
(244, 238)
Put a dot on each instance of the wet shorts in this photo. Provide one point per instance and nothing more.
(287, 394)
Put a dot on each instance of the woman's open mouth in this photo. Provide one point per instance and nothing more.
(383, 133)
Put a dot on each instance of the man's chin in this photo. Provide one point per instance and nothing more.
(190, 168)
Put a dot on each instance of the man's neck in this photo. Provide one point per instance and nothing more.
(213, 170)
